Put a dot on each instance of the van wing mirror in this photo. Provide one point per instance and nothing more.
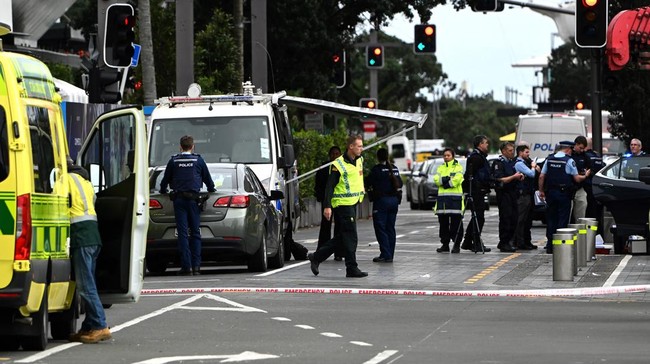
(288, 157)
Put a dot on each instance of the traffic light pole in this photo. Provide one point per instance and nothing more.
(538, 6)
(596, 87)
(373, 72)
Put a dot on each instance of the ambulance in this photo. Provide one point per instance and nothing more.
(37, 286)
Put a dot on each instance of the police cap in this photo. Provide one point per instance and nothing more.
(566, 144)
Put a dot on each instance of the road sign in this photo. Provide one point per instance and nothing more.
(136, 55)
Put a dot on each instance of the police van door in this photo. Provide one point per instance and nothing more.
(115, 155)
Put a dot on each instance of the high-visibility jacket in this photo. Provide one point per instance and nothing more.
(349, 191)
(82, 199)
(450, 200)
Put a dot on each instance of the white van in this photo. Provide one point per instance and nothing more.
(399, 148)
(543, 131)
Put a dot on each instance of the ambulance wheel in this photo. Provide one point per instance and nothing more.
(38, 340)
(62, 324)
(257, 262)
(156, 266)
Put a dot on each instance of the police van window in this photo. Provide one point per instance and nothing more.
(218, 139)
(42, 148)
(4, 145)
(398, 151)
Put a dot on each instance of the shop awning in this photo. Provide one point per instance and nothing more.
(508, 138)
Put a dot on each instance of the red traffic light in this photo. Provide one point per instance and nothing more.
(580, 105)
(377, 51)
(428, 30)
(375, 56)
(369, 103)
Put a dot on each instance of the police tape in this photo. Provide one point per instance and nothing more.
(520, 293)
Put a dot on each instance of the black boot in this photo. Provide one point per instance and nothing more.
(444, 248)
(467, 244)
(456, 248)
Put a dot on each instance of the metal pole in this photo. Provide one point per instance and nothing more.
(259, 57)
(184, 45)
(596, 114)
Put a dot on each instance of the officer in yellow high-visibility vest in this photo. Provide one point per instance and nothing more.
(343, 192)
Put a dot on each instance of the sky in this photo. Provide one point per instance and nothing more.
(480, 48)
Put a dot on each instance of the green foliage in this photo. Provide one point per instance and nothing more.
(570, 73)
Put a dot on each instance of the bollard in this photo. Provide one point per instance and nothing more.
(562, 259)
(581, 244)
(591, 226)
(574, 254)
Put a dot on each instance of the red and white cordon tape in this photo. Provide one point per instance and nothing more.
(530, 293)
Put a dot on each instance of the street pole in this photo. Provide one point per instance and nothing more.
(596, 88)
(184, 45)
(259, 54)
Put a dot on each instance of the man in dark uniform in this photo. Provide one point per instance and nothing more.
(594, 208)
(556, 183)
(525, 202)
(582, 164)
(385, 185)
(343, 193)
(186, 173)
(325, 232)
(477, 186)
(506, 178)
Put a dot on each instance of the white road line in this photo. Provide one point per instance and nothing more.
(360, 343)
(306, 327)
(280, 318)
(414, 232)
(330, 334)
(244, 356)
(610, 281)
(286, 267)
(381, 357)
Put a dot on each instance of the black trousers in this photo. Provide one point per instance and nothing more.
(477, 206)
(451, 228)
(508, 215)
(325, 234)
(345, 217)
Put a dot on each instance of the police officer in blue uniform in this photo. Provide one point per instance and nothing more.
(477, 185)
(506, 177)
(186, 173)
(385, 185)
(556, 186)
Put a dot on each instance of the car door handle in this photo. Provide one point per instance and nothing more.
(605, 185)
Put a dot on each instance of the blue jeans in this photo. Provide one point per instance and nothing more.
(84, 262)
(187, 216)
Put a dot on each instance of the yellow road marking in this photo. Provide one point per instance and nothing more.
(485, 272)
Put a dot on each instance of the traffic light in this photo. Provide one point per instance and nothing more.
(103, 86)
(119, 35)
(339, 69)
(486, 5)
(424, 40)
(375, 56)
(591, 23)
(369, 103)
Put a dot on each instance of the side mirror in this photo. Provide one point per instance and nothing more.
(276, 195)
(644, 175)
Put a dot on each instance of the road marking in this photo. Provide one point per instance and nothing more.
(360, 343)
(306, 327)
(477, 277)
(281, 318)
(381, 357)
(330, 334)
(610, 281)
(243, 356)
(286, 267)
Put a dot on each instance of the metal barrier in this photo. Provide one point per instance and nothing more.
(591, 225)
(562, 257)
(581, 244)
(574, 254)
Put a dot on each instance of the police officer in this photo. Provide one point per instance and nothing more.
(556, 183)
(477, 185)
(594, 208)
(525, 190)
(343, 192)
(582, 164)
(503, 171)
(450, 203)
(385, 185)
(186, 173)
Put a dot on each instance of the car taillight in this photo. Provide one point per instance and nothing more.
(222, 202)
(408, 164)
(23, 228)
(239, 201)
(154, 204)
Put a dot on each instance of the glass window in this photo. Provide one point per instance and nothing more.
(218, 139)
(398, 151)
(4, 145)
(42, 148)
(627, 168)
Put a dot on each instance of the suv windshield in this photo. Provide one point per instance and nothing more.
(218, 139)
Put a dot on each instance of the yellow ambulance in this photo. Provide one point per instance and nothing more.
(37, 289)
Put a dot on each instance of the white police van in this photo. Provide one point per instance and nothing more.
(543, 131)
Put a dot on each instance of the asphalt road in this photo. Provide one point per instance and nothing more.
(216, 323)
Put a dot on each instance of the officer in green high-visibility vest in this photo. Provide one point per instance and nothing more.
(343, 192)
